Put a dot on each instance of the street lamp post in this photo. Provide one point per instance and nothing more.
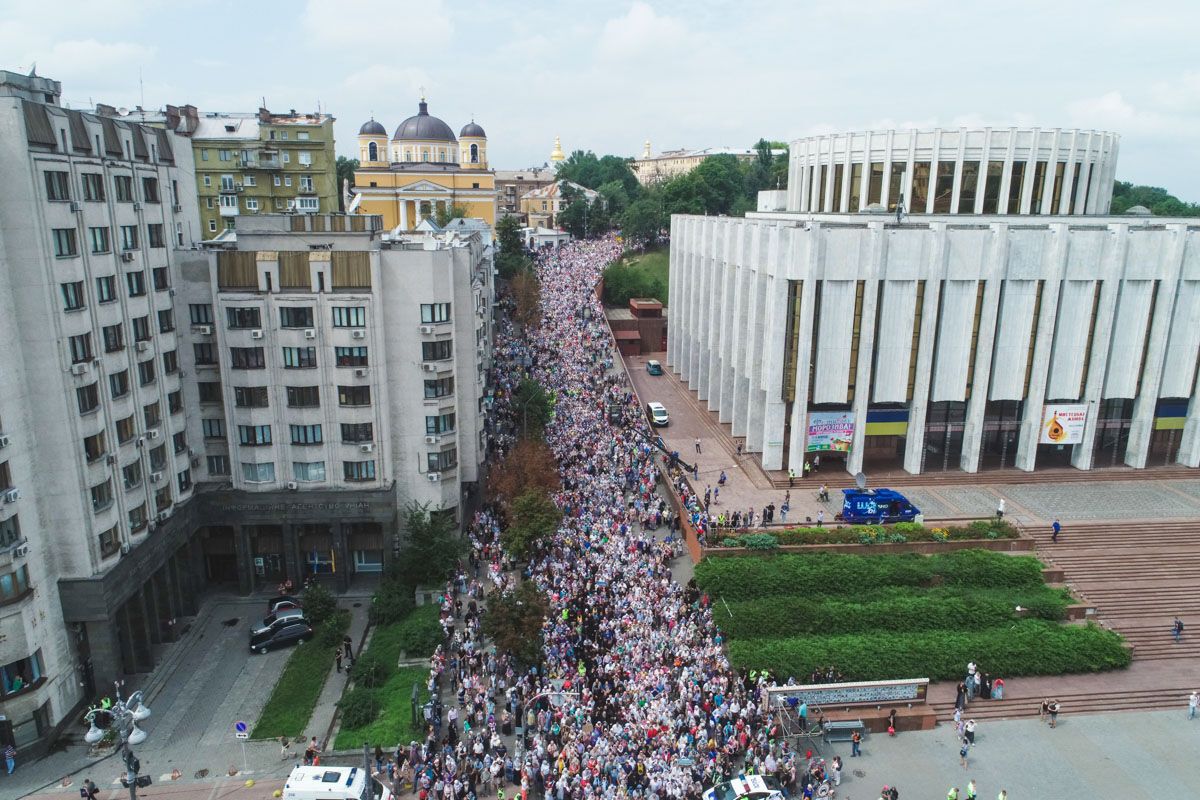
(122, 718)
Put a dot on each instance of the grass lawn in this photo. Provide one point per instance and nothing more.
(417, 635)
(639, 275)
(892, 616)
(295, 696)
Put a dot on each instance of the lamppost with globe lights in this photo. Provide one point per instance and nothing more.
(121, 718)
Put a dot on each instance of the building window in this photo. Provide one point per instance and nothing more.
(162, 499)
(254, 435)
(308, 470)
(88, 398)
(93, 187)
(152, 416)
(129, 237)
(170, 362)
(258, 473)
(372, 152)
(251, 204)
(349, 316)
(175, 401)
(131, 476)
(81, 348)
(354, 395)
(138, 519)
(968, 186)
(179, 234)
(10, 531)
(109, 543)
(304, 158)
(14, 585)
(150, 190)
(210, 391)
(125, 430)
(278, 181)
(208, 185)
(18, 676)
(214, 428)
(435, 312)
(355, 433)
(123, 186)
(296, 316)
(205, 354)
(58, 186)
(250, 396)
(439, 387)
(299, 357)
(179, 441)
(94, 447)
(358, 470)
(443, 423)
(102, 496)
(217, 465)
(306, 183)
(136, 283)
(305, 434)
(183, 481)
(106, 289)
(247, 358)
(100, 240)
(443, 460)
(161, 278)
(249, 180)
(154, 235)
(303, 397)
(118, 384)
(437, 351)
(474, 154)
(65, 244)
(166, 321)
(243, 317)
(225, 155)
(350, 356)
(212, 226)
(308, 204)
(141, 329)
(200, 313)
(72, 294)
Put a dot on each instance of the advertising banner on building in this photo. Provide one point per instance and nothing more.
(830, 431)
(1063, 424)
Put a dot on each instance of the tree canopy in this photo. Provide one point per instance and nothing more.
(513, 621)
(432, 549)
(532, 518)
(1160, 202)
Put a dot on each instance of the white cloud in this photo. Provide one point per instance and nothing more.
(640, 32)
(88, 57)
(418, 25)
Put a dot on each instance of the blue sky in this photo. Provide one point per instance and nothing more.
(607, 75)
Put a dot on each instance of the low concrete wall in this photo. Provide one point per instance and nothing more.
(1022, 544)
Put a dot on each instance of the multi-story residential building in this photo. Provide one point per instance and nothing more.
(945, 300)
(95, 457)
(651, 169)
(541, 207)
(340, 375)
(262, 163)
(513, 184)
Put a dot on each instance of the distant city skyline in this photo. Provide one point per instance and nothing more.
(607, 76)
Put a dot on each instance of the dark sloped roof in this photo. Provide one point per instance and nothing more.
(471, 129)
(425, 127)
(372, 128)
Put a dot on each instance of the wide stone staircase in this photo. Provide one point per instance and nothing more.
(838, 478)
(1137, 576)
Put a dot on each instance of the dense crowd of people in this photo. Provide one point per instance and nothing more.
(634, 696)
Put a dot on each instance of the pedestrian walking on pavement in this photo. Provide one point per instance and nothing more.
(1053, 709)
(1177, 630)
(1003, 795)
(337, 658)
(855, 744)
(1057, 529)
(952, 794)
(820, 517)
(962, 753)
(88, 790)
(285, 747)
(1193, 702)
(697, 444)
(791, 477)
(972, 792)
(969, 731)
(1000, 509)
(10, 758)
(739, 448)
(1044, 709)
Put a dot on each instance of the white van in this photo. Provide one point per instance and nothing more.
(746, 787)
(333, 783)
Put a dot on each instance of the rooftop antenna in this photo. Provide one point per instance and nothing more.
(141, 89)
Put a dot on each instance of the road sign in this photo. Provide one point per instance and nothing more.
(240, 730)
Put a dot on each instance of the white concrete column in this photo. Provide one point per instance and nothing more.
(1142, 428)
(756, 395)
(1082, 454)
(804, 342)
(1030, 171)
(403, 214)
(1189, 446)
(1035, 398)
(866, 353)
(1006, 173)
(914, 445)
(704, 325)
(985, 343)
(774, 345)
(674, 290)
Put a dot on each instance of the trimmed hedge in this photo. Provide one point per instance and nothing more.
(1027, 647)
(833, 574)
(421, 631)
(898, 609)
(879, 534)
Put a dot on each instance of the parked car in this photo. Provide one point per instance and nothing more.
(278, 619)
(282, 603)
(653, 367)
(293, 630)
(657, 413)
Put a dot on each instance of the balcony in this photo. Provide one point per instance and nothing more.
(229, 211)
(268, 161)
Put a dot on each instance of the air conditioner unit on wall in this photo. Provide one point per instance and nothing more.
(359, 334)
(79, 369)
(203, 330)
(293, 486)
(256, 334)
(163, 516)
(427, 330)
(155, 477)
(5, 440)
(143, 346)
(12, 495)
(127, 257)
(432, 439)
(361, 372)
(125, 548)
(152, 434)
(429, 367)
(310, 333)
(21, 551)
(433, 477)
(367, 448)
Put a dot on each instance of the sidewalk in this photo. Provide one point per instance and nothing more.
(321, 724)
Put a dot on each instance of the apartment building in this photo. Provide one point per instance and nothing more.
(263, 163)
(340, 375)
(94, 454)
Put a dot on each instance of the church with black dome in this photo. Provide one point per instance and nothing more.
(423, 169)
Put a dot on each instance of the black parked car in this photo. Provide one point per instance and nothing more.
(297, 631)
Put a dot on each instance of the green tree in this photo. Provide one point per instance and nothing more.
(1160, 202)
(582, 167)
(534, 407)
(319, 603)
(445, 215)
(514, 620)
(644, 220)
(431, 550)
(614, 196)
(574, 218)
(532, 519)
(511, 259)
(345, 172)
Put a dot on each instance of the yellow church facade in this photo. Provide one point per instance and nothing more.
(423, 168)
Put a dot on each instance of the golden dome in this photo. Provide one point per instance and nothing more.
(557, 154)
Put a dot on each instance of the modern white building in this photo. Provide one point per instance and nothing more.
(94, 450)
(1015, 323)
(340, 375)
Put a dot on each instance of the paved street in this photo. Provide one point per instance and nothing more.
(200, 688)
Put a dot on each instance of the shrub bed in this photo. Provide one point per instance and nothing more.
(899, 533)
(1028, 647)
(749, 577)
(291, 703)
(888, 610)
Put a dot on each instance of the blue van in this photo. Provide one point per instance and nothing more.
(876, 505)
